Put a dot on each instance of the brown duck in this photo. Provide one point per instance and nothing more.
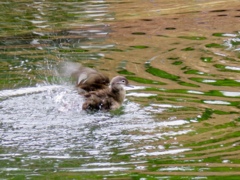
(94, 86)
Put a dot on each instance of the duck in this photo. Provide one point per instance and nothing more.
(109, 98)
(100, 94)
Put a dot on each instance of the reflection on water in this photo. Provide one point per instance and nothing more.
(180, 121)
(45, 33)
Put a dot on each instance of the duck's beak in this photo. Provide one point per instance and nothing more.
(129, 87)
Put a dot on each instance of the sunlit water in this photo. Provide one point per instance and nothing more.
(180, 121)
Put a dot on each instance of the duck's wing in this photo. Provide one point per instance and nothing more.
(91, 80)
(86, 79)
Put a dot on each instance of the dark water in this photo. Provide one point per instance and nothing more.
(181, 121)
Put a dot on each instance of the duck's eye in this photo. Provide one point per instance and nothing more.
(123, 81)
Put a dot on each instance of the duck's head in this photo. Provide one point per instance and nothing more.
(119, 80)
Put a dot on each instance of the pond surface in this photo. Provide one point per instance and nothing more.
(181, 119)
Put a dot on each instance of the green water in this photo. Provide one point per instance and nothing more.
(180, 122)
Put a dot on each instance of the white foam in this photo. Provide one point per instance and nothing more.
(231, 94)
(141, 94)
(217, 102)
